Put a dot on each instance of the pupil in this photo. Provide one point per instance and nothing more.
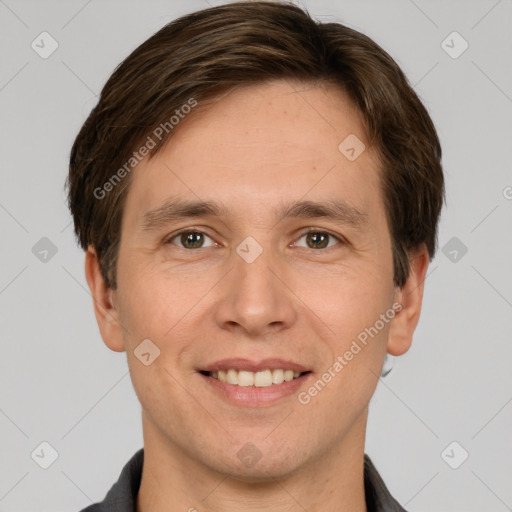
(187, 239)
(316, 237)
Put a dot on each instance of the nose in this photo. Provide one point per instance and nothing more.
(256, 297)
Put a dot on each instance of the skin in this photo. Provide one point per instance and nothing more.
(252, 150)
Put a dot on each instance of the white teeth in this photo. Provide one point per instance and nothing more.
(232, 377)
(261, 379)
(277, 376)
(245, 378)
(288, 375)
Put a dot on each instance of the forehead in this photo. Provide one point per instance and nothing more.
(269, 142)
(306, 119)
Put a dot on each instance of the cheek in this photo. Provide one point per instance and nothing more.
(345, 299)
(162, 310)
(347, 314)
(154, 302)
(166, 309)
(353, 350)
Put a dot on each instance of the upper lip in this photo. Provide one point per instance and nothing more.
(253, 366)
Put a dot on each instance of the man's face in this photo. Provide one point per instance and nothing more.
(252, 284)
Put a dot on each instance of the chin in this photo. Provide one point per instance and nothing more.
(251, 465)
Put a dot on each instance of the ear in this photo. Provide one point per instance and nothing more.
(410, 297)
(105, 309)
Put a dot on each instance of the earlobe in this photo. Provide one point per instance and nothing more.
(104, 303)
(410, 297)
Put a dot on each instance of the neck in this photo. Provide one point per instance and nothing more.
(173, 481)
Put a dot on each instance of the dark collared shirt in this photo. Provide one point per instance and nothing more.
(123, 494)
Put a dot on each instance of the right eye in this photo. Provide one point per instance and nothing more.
(189, 239)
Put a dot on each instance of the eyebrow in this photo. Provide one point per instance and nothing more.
(175, 209)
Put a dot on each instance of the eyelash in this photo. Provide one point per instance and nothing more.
(309, 230)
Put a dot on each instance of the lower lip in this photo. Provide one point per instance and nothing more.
(251, 396)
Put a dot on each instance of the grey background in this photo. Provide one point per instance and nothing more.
(60, 384)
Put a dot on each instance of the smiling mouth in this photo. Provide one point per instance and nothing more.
(261, 379)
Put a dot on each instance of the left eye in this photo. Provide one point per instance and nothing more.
(318, 239)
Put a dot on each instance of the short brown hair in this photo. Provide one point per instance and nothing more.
(208, 52)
